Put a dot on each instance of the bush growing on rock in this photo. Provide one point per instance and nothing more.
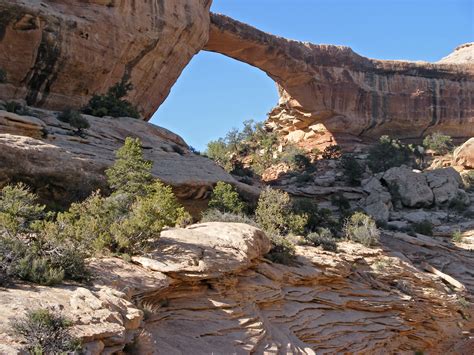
(213, 215)
(113, 103)
(322, 237)
(282, 252)
(295, 158)
(424, 227)
(362, 229)
(47, 332)
(275, 215)
(353, 170)
(438, 142)
(332, 152)
(18, 108)
(316, 217)
(75, 119)
(226, 199)
(388, 153)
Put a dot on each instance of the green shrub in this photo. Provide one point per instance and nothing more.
(316, 217)
(468, 180)
(47, 332)
(457, 236)
(147, 218)
(112, 104)
(131, 173)
(213, 215)
(295, 158)
(303, 179)
(438, 142)
(38, 270)
(332, 152)
(19, 210)
(324, 238)
(226, 199)
(218, 151)
(424, 227)
(341, 202)
(388, 153)
(18, 108)
(3, 76)
(282, 252)
(353, 170)
(362, 229)
(275, 215)
(75, 119)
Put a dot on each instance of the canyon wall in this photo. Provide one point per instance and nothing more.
(59, 53)
(331, 88)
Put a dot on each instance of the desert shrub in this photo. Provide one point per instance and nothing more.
(47, 332)
(424, 227)
(458, 204)
(218, 151)
(18, 108)
(19, 210)
(38, 270)
(353, 170)
(274, 214)
(341, 202)
(362, 229)
(113, 103)
(322, 237)
(438, 142)
(131, 173)
(3, 76)
(304, 178)
(226, 199)
(148, 216)
(468, 180)
(282, 252)
(75, 119)
(213, 215)
(332, 152)
(388, 153)
(457, 236)
(316, 217)
(295, 158)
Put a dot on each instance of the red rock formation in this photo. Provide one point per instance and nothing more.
(58, 53)
(326, 87)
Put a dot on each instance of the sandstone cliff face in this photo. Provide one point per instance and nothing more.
(330, 88)
(59, 53)
(207, 289)
(62, 167)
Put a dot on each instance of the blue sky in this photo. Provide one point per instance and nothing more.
(216, 93)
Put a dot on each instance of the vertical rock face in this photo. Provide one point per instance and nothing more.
(59, 53)
(331, 88)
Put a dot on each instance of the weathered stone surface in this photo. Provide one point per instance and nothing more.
(351, 94)
(446, 185)
(464, 155)
(379, 201)
(58, 53)
(62, 166)
(411, 187)
(461, 55)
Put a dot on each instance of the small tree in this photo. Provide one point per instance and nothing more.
(75, 119)
(295, 157)
(438, 142)
(388, 153)
(275, 215)
(113, 103)
(353, 170)
(362, 229)
(47, 332)
(131, 173)
(219, 152)
(226, 199)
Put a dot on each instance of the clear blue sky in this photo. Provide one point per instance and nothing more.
(216, 93)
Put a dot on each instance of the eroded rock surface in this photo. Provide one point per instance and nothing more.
(331, 88)
(59, 53)
(464, 155)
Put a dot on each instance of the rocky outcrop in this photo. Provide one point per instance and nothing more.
(461, 55)
(59, 53)
(464, 155)
(446, 185)
(62, 166)
(326, 88)
(207, 288)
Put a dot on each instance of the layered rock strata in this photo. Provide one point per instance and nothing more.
(331, 89)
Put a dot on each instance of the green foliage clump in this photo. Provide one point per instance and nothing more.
(316, 217)
(388, 153)
(362, 229)
(113, 103)
(322, 237)
(18, 108)
(47, 332)
(131, 173)
(75, 119)
(295, 158)
(226, 199)
(353, 170)
(424, 227)
(468, 179)
(438, 142)
(457, 236)
(282, 252)
(332, 152)
(274, 214)
(3, 76)
(219, 152)
(214, 215)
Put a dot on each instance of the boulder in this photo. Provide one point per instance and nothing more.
(464, 155)
(446, 185)
(411, 187)
(378, 202)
